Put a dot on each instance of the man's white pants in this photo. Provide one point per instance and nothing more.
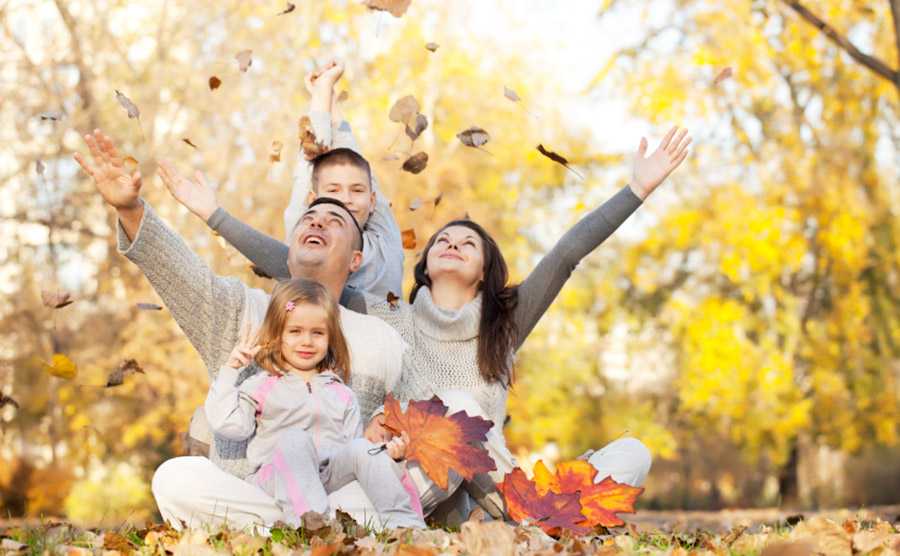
(194, 491)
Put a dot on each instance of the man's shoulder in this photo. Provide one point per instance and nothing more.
(353, 322)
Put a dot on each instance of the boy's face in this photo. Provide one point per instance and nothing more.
(349, 185)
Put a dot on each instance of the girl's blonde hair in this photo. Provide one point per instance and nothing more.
(294, 293)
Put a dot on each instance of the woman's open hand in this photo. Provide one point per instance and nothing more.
(195, 194)
(652, 170)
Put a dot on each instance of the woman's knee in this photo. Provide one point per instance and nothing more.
(626, 460)
(169, 478)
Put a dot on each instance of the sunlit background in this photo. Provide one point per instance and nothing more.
(745, 324)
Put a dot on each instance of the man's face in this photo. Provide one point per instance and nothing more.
(323, 244)
(349, 185)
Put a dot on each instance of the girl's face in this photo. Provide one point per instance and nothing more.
(304, 342)
(457, 251)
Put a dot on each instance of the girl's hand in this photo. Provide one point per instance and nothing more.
(651, 171)
(242, 354)
(376, 432)
(196, 195)
(396, 448)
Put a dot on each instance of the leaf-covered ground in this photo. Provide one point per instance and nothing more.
(816, 535)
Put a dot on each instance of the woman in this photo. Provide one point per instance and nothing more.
(464, 323)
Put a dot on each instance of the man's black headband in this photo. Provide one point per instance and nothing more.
(332, 201)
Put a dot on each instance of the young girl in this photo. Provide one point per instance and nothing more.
(304, 422)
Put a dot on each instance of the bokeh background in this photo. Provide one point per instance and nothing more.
(745, 324)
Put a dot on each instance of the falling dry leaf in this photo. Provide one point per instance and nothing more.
(189, 142)
(52, 115)
(395, 7)
(432, 46)
(259, 272)
(308, 141)
(409, 238)
(244, 59)
(420, 124)
(288, 9)
(149, 307)
(393, 300)
(555, 157)
(61, 366)
(390, 156)
(39, 166)
(415, 204)
(343, 96)
(130, 163)
(550, 511)
(404, 110)
(7, 400)
(56, 299)
(437, 200)
(440, 442)
(129, 106)
(214, 83)
(600, 502)
(474, 137)
(510, 94)
(723, 75)
(416, 163)
(275, 151)
(126, 368)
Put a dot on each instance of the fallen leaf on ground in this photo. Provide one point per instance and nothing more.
(432, 46)
(829, 537)
(600, 502)
(550, 511)
(244, 59)
(189, 142)
(510, 94)
(404, 110)
(416, 163)
(555, 157)
(275, 151)
(440, 442)
(61, 366)
(395, 7)
(308, 141)
(409, 238)
(420, 124)
(130, 107)
(214, 83)
(125, 368)
(474, 137)
(723, 75)
(56, 299)
(149, 307)
(7, 400)
(288, 9)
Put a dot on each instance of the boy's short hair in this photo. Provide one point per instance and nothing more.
(337, 157)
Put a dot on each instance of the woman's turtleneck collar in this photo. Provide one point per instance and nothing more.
(445, 324)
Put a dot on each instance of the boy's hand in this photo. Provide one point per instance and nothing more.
(396, 448)
(376, 432)
(119, 186)
(651, 171)
(320, 84)
(198, 196)
(242, 354)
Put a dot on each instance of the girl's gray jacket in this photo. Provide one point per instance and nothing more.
(265, 405)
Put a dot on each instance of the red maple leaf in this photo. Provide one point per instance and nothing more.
(441, 442)
(600, 502)
(549, 510)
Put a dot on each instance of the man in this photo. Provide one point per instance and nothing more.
(214, 312)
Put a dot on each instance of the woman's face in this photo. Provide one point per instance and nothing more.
(458, 252)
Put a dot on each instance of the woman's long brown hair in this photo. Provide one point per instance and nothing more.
(497, 331)
(299, 291)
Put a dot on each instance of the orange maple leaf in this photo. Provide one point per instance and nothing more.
(441, 442)
(308, 140)
(600, 502)
(551, 511)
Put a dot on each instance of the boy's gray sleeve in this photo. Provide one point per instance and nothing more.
(538, 291)
(266, 252)
(230, 409)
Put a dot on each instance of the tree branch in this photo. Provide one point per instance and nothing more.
(878, 66)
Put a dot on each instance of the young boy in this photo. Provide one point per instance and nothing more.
(340, 173)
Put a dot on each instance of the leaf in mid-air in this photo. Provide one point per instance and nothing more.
(432, 46)
(416, 163)
(126, 368)
(510, 94)
(550, 511)
(409, 238)
(189, 142)
(600, 502)
(214, 83)
(149, 307)
(474, 137)
(395, 7)
(420, 124)
(308, 141)
(130, 107)
(56, 299)
(441, 442)
(275, 151)
(404, 111)
(61, 366)
(559, 159)
(288, 9)
(244, 59)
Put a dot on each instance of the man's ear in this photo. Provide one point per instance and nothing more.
(310, 197)
(355, 261)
